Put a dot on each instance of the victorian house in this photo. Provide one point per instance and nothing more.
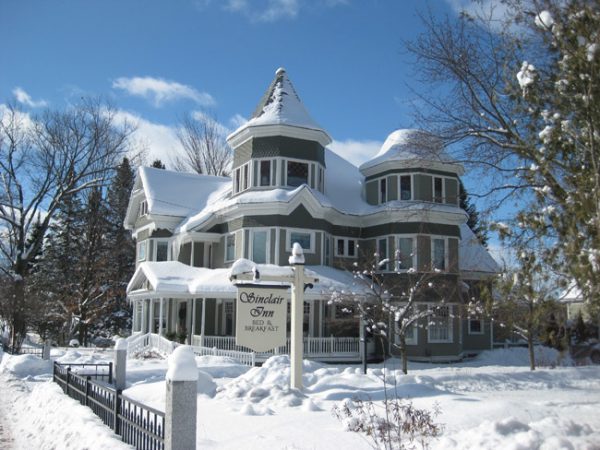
(286, 186)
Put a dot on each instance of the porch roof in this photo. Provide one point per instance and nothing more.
(172, 279)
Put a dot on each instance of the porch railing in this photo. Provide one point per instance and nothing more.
(313, 346)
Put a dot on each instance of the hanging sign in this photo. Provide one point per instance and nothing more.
(261, 316)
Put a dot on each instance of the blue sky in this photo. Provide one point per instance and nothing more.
(156, 60)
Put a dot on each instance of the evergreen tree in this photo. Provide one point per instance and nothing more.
(473, 221)
(120, 249)
(158, 164)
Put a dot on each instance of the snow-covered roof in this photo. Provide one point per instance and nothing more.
(281, 105)
(170, 193)
(572, 294)
(175, 278)
(407, 145)
(472, 256)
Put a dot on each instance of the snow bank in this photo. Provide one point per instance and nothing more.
(519, 356)
(25, 366)
(512, 433)
(37, 424)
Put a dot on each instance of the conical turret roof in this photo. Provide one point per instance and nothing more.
(281, 105)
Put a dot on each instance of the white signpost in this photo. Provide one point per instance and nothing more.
(255, 299)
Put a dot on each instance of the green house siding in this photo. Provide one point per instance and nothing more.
(453, 255)
(410, 228)
(218, 253)
(278, 146)
(185, 253)
(210, 325)
(424, 252)
(198, 254)
(476, 342)
(451, 191)
(392, 188)
(423, 188)
(372, 193)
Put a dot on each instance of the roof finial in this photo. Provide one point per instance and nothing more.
(279, 71)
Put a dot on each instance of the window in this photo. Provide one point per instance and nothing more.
(245, 177)
(345, 247)
(327, 250)
(230, 247)
(438, 189)
(162, 251)
(143, 208)
(297, 173)
(383, 190)
(404, 253)
(265, 173)
(321, 187)
(259, 246)
(410, 336)
(475, 326)
(236, 181)
(405, 187)
(438, 258)
(440, 324)
(141, 251)
(382, 251)
(305, 239)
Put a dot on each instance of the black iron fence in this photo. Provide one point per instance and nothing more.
(137, 424)
(37, 351)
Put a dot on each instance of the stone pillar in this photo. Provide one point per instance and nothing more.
(181, 400)
(120, 364)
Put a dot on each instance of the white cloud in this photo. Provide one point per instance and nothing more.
(272, 11)
(157, 140)
(357, 152)
(237, 121)
(160, 91)
(492, 9)
(24, 98)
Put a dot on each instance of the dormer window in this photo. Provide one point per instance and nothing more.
(297, 173)
(241, 178)
(143, 208)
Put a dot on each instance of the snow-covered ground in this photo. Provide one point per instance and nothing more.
(493, 401)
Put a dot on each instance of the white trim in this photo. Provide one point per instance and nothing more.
(288, 237)
(246, 132)
(168, 242)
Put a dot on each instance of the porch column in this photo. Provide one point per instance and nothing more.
(311, 319)
(188, 320)
(160, 317)
(150, 315)
(144, 323)
(202, 325)
(193, 330)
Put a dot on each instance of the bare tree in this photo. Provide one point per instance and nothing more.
(42, 160)
(205, 149)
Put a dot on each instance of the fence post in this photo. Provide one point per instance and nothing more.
(181, 401)
(120, 363)
(117, 411)
(46, 350)
(110, 372)
(87, 389)
(68, 376)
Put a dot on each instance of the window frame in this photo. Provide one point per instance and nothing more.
(413, 253)
(481, 326)
(382, 257)
(142, 250)
(449, 324)
(383, 190)
(226, 247)
(411, 191)
(346, 244)
(446, 261)
(434, 198)
(297, 161)
(143, 208)
(161, 241)
(288, 239)
(253, 231)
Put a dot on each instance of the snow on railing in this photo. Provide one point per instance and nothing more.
(247, 358)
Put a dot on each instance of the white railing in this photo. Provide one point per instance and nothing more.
(313, 346)
(153, 341)
(247, 358)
